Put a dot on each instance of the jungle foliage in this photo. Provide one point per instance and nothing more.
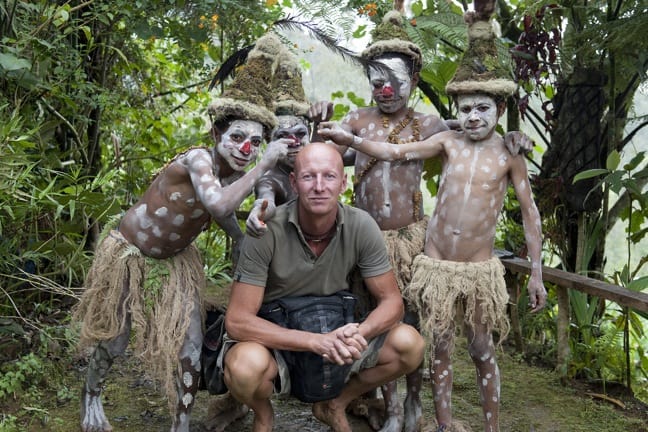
(97, 95)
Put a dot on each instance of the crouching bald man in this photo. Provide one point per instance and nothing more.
(290, 325)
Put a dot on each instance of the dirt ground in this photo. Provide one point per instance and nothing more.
(532, 400)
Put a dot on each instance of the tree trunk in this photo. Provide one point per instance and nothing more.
(577, 144)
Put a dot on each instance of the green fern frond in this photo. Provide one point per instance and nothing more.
(331, 18)
(607, 342)
(447, 28)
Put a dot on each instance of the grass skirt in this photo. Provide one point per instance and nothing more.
(438, 286)
(403, 245)
(158, 296)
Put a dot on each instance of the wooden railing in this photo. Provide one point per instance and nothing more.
(565, 281)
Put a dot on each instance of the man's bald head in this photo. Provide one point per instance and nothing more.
(319, 151)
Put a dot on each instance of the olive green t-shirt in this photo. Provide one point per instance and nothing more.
(282, 262)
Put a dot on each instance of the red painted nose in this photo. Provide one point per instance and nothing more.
(245, 148)
(295, 141)
(388, 91)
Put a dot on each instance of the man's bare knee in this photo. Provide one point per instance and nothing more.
(408, 344)
(247, 366)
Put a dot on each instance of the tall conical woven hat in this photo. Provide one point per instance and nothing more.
(481, 69)
(390, 37)
(288, 89)
(249, 97)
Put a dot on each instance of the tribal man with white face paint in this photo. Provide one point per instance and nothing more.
(390, 193)
(147, 274)
(271, 190)
(458, 264)
(274, 187)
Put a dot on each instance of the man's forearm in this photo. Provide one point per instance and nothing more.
(386, 315)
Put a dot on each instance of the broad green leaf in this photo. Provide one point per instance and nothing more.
(10, 62)
(615, 181)
(634, 163)
(360, 32)
(356, 100)
(613, 160)
(641, 174)
(589, 174)
(639, 284)
(62, 16)
(417, 8)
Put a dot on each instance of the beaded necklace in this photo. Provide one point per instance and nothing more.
(395, 138)
(394, 135)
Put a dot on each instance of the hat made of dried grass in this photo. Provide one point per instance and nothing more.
(250, 97)
(390, 37)
(482, 68)
(288, 89)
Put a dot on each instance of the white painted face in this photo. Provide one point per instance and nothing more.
(477, 116)
(239, 144)
(295, 129)
(391, 95)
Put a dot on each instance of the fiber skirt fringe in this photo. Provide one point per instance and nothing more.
(159, 297)
(437, 287)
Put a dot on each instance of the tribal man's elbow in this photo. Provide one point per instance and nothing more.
(222, 210)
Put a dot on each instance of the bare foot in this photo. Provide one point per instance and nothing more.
(93, 418)
(224, 411)
(413, 414)
(335, 418)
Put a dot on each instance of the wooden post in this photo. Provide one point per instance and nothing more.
(513, 287)
(562, 332)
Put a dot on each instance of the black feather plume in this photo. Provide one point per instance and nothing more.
(235, 60)
(294, 24)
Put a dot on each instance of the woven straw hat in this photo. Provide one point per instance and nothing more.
(288, 90)
(390, 37)
(250, 97)
(482, 69)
